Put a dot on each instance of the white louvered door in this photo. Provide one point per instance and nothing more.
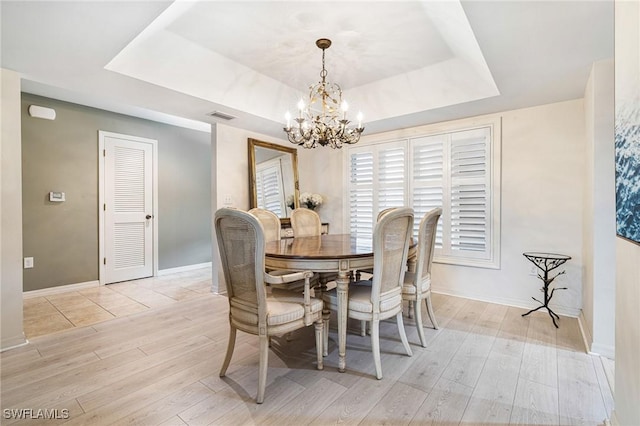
(128, 209)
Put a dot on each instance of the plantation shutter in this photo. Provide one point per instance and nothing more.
(361, 193)
(428, 180)
(269, 181)
(452, 170)
(377, 180)
(469, 192)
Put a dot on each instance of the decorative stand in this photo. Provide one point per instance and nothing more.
(547, 262)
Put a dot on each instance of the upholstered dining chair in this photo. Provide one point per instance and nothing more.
(241, 243)
(381, 297)
(271, 226)
(305, 223)
(357, 274)
(417, 285)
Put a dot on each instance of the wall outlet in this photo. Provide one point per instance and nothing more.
(533, 271)
(28, 262)
(228, 200)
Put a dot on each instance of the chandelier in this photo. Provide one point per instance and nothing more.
(323, 120)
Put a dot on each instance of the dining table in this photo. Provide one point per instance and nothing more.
(341, 253)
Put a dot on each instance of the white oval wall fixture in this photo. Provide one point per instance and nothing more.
(42, 112)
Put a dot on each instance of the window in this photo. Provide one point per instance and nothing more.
(457, 169)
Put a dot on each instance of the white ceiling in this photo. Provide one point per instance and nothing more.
(403, 63)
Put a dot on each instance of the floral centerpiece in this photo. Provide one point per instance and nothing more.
(310, 201)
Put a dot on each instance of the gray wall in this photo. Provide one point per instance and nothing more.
(62, 155)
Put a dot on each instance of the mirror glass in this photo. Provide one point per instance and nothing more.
(273, 177)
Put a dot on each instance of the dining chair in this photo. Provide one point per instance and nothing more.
(305, 223)
(381, 297)
(417, 285)
(271, 226)
(357, 274)
(270, 223)
(241, 243)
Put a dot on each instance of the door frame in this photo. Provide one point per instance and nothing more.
(101, 225)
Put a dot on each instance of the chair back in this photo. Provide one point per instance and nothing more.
(241, 245)
(391, 238)
(270, 223)
(426, 245)
(305, 223)
(383, 212)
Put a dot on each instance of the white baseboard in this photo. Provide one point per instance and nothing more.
(59, 289)
(584, 332)
(184, 268)
(518, 303)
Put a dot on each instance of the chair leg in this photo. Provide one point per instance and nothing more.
(230, 346)
(409, 307)
(375, 347)
(363, 328)
(264, 363)
(432, 316)
(419, 326)
(319, 325)
(403, 334)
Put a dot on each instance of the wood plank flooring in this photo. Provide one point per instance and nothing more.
(159, 365)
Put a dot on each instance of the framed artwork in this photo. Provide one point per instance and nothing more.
(627, 143)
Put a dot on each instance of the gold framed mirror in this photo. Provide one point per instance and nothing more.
(273, 178)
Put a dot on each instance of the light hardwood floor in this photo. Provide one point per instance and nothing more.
(159, 366)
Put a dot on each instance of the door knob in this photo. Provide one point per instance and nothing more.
(149, 216)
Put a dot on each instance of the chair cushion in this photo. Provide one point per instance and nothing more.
(280, 309)
(409, 287)
(360, 298)
(284, 296)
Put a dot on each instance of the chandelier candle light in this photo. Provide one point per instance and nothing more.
(323, 121)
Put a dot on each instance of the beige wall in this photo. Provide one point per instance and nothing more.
(10, 212)
(598, 302)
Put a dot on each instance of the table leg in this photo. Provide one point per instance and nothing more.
(342, 292)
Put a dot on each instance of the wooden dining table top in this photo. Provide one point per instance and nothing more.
(327, 246)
